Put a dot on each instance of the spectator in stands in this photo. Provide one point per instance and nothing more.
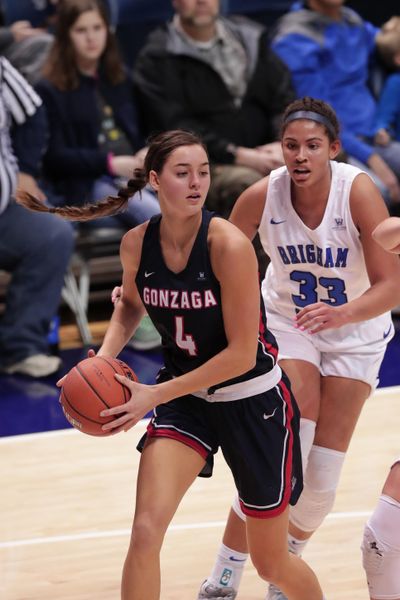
(216, 76)
(327, 48)
(387, 121)
(25, 46)
(94, 145)
(34, 251)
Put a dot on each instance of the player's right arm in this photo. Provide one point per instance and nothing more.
(387, 234)
(129, 310)
(248, 209)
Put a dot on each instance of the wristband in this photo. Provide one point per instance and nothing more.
(110, 170)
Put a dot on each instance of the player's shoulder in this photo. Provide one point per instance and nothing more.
(366, 203)
(223, 228)
(132, 240)
(136, 233)
(224, 235)
(229, 246)
(364, 193)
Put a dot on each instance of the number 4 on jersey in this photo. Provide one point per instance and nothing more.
(184, 341)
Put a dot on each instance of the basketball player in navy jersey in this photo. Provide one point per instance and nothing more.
(221, 386)
(328, 291)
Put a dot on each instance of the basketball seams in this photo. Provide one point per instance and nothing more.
(68, 402)
(111, 364)
(81, 373)
(68, 416)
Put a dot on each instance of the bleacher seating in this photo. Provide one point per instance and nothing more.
(95, 259)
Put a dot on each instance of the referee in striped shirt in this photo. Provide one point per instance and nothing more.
(34, 248)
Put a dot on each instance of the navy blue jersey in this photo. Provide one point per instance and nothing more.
(186, 307)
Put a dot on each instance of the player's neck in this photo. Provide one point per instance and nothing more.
(310, 203)
(178, 234)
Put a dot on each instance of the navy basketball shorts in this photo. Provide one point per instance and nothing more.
(258, 436)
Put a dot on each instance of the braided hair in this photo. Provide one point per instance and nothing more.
(160, 148)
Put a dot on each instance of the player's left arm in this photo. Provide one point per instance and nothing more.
(129, 310)
(368, 210)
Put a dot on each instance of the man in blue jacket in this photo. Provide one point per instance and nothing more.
(328, 48)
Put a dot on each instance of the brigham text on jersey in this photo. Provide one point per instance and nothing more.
(309, 253)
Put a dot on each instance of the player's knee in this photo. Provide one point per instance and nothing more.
(270, 567)
(147, 534)
(320, 484)
(381, 562)
(381, 550)
(311, 509)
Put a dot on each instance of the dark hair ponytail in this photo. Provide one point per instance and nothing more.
(109, 206)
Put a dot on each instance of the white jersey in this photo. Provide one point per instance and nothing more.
(325, 264)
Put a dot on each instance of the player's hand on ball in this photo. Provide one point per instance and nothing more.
(321, 316)
(60, 382)
(143, 399)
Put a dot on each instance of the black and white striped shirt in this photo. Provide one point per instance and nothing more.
(18, 102)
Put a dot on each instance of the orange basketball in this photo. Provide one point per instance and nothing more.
(91, 387)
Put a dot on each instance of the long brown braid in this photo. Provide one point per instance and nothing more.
(109, 206)
(160, 148)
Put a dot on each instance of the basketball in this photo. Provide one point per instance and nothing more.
(91, 387)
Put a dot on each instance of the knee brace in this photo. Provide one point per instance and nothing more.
(381, 550)
(320, 483)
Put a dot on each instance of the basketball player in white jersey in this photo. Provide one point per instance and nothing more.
(328, 290)
(381, 542)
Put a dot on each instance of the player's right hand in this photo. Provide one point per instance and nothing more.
(60, 382)
(116, 294)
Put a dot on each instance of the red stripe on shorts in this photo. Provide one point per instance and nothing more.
(287, 396)
(263, 514)
(274, 512)
(272, 350)
(173, 434)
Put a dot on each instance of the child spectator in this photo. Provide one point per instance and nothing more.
(94, 145)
